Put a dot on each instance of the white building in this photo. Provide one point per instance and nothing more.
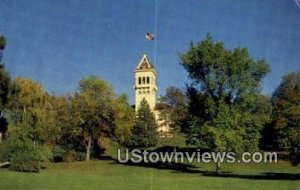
(145, 87)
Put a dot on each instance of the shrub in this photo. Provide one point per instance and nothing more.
(2, 148)
(23, 154)
(61, 154)
(80, 156)
(26, 161)
(58, 154)
(69, 156)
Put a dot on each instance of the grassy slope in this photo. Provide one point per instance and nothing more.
(109, 175)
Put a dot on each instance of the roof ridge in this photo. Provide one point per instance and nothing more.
(145, 63)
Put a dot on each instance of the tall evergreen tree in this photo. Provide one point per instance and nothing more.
(144, 133)
(4, 89)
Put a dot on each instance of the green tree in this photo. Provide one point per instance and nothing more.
(263, 114)
(4, 89)
(93, 111)
(124, 120)
(64, 141)
(223, 94)
(28, 130)
(27, 108)
(144, 133)
(2, 46)
(286, 114)
(59, 116)
(175, 113)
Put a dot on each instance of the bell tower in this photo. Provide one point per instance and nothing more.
(145, 83)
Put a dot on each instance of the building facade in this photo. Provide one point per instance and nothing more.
(145, 83)
(145, 88)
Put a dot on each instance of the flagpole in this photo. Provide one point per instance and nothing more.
(144, 51)
(155, 31)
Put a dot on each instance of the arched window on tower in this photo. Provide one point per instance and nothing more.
(148, 80)
(140, 80)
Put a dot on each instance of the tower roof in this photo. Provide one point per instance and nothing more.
(144, 63)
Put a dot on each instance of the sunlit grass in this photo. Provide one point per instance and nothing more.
(99, 174)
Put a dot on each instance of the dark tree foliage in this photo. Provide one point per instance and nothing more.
(2, 46)
(2, 43)
(144, 133)
(286, 114)
(176, 108)
(4, 89)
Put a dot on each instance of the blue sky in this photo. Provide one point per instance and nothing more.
(57, 42)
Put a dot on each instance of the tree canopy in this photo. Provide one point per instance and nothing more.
(286, 114)
(124, 120)
(144, 132)
(223, 96)
(175, 112)
(93, 110)
(4, 89)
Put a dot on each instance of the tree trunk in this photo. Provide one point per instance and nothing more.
(218, 168)
(88, 148)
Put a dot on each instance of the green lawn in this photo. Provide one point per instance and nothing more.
(110, 175)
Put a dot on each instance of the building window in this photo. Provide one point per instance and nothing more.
(140, 80)
(144, 80)
(148, 80)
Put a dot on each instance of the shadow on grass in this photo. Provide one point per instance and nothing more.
(261, 176)
(189, 168)
(180, 167)
(104, 157)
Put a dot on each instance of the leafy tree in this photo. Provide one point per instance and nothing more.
(263, 114)
(65, 144)
(4, 89)
(27, 108)
(175, 112)
(144, 133)
(93, 111)
(223, 97)
(295, 147)
(124, 120)
(59, 116)
(29, 130)
(2, 46)
(286, 114)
